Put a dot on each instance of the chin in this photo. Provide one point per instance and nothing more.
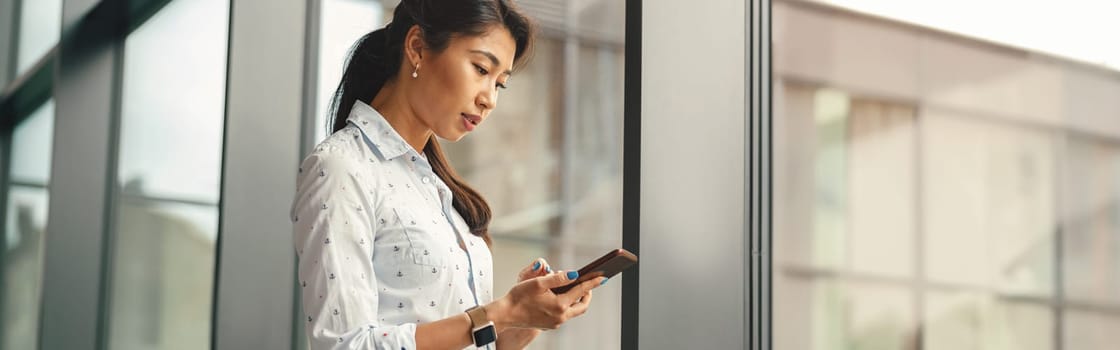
(453, 136)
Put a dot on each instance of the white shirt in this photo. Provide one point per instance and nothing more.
(378, 241)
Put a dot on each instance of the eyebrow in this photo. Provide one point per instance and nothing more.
(493, 59)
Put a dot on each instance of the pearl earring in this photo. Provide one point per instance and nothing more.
(414, 75)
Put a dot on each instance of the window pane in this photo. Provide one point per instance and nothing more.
(550, 163)
(173, 102)
(39, 28)
(991, 204)
(23, 266)
(965, 321)
(163, 275)
(25, 224)
(172, 115)
(835, 314)
(342, 23)
(1091, 266)
(1091, 330)
(31, 146)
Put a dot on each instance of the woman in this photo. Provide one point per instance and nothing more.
(393, 246)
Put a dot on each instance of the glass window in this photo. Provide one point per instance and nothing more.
(25, 224)
(166, 224)
(39, 26)
(1091, 249)
(990, 202)
(341, 24)
(972, 321)
(550, 163)
(976, 180)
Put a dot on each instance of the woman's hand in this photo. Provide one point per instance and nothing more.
(532, 304)
(519, 338)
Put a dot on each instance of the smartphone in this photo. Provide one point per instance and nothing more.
(606, 266)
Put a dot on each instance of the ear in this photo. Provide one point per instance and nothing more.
(413, 46)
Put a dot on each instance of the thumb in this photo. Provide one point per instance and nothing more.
(558, 279)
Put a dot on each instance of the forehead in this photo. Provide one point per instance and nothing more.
(496, 40)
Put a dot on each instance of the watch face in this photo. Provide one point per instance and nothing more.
(485, 335)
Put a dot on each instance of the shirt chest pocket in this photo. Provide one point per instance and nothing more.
(424, 248)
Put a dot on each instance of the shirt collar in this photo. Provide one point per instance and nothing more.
(384, 138)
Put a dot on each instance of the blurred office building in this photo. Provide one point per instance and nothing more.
(941, 190)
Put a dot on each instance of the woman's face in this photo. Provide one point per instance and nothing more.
(456, 89)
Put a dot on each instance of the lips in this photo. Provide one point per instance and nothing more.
(473, 119)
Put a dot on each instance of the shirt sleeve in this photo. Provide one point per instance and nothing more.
(333, 237)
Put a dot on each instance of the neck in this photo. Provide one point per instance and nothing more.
(391, 103)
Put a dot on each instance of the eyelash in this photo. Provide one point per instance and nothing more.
(485, 72)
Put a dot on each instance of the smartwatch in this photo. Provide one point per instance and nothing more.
(482, 329)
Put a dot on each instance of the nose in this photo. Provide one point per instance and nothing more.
(487, 99)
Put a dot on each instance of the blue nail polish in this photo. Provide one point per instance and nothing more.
(536, 266)
(573, 275)
(604, 281)
(548, 269)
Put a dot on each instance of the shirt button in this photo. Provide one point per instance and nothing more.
(426, 179)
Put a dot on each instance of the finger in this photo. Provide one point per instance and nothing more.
(558, 279)
(536, 268)
(583, 288)
(579, 308)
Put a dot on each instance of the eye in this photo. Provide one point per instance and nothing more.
(481, 70)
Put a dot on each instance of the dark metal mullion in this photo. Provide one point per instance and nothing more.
(631, 168)
(113, 197)
(13, 51)
(5, 192)
(216, 273)
(6, 178)
(767, 101)
(758, 177)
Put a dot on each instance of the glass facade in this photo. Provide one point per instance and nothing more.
(934, 191)
(24, 225)
(40, 23)
(169, 169)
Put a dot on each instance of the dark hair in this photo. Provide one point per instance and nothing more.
(376, 59)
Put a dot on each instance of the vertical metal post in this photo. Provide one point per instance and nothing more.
(265, 96)
(759, 186)
(631, 168)
(83, 169)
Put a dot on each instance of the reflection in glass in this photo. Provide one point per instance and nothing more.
(968, 321)
(31, 146)
(23, 266)
(1091, 330)
(173, 101)
(980, 180)
(1091, 265)
(550, 165)
(172, 114)
(39, 27)
(163, 275)
(990, 201)
(25, 224)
